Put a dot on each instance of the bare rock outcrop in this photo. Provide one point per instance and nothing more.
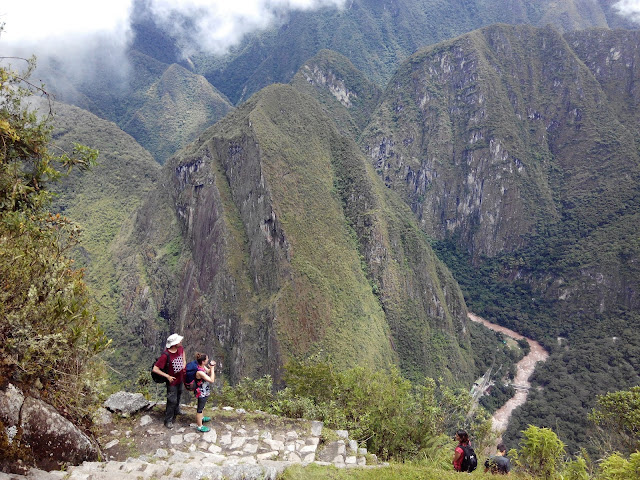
(51, 439)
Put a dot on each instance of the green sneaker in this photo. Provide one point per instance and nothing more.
(206, 419)
(203, 429)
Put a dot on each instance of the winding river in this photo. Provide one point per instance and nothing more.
(524, 370)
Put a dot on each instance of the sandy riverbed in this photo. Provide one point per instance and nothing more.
(524, 370)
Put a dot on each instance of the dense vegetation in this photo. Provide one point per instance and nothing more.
(573, 229)
(382, 410)
(411, 425)
(584, 361)
(49, 333)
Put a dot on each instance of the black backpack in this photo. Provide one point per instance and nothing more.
(156, 376)
(469, 461)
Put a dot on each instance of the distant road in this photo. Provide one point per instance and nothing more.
(524, 370)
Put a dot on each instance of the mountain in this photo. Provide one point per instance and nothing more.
(270, 238)
(163, 106)
(103, 202)
(378, 35)
(521, 158)
(177, 107)
(346, 94)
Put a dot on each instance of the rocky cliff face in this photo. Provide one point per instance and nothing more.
(290, 246)
(519, 145)
(496, 132)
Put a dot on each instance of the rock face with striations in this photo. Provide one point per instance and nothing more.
(291, 246)
(505, 136)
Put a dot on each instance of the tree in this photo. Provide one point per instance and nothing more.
(48, 330)
(617, 416)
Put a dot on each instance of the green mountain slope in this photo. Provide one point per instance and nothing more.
(508, 149)
(103, 202)
(376, 36)
(289, 246)
(162, 106)
(178, 107)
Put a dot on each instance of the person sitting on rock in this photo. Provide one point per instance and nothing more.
(205, 376)
(175, 373)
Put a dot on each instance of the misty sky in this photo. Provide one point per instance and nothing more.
(77, 28)
(51, 25)
(630, 8)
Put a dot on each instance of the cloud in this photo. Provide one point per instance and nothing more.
(36, 22)
(87, 41)
(215, 25)
(629, 8)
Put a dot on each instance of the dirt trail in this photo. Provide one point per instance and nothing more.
(524, 370)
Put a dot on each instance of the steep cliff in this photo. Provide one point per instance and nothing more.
(517, 147)
(290, 246)
(496, 131)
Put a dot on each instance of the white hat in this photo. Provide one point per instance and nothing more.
(173, 340)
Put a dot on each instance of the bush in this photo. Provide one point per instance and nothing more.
(379, 408)
(48, 330)
(541, 452)
(616, 467)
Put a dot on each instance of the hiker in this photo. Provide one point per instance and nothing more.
(498, 463)
(204, 377)
(464, 458)
(174, 373)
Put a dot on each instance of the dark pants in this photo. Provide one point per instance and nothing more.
(202, 401)
(173, 402)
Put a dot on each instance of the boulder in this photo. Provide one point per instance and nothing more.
(54, 440)
(11, 400)
(126, 403)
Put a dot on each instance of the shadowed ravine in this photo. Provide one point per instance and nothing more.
(524, 370)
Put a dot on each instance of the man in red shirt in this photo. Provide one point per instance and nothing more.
(172, 365)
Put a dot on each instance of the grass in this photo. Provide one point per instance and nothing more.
(394, 471)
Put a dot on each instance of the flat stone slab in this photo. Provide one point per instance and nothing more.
(126, 403)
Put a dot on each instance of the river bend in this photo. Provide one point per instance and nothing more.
(524, 370)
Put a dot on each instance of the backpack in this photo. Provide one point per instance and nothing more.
(469, 461)
(190, 378)
(156, 376)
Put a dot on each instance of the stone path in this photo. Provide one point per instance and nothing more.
(240, 445)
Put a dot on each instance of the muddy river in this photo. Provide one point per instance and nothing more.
(524, 369)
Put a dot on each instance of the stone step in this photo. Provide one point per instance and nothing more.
(231, 449)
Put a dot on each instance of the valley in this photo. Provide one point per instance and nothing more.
(341, 187)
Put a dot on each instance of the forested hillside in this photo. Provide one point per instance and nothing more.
(304, 222)
(507, 148)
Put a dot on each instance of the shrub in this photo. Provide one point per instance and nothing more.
(48, 330)
(616, 467)
(541, 452)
